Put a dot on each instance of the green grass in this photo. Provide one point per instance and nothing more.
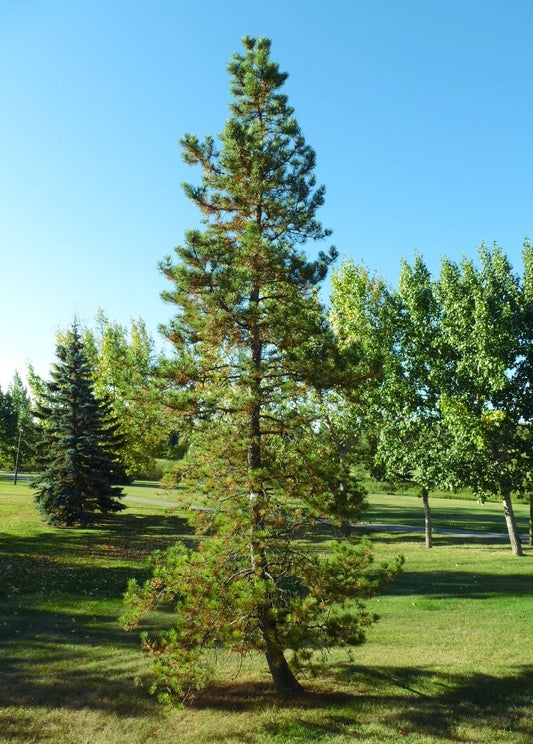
(457, 514)
(450, 660)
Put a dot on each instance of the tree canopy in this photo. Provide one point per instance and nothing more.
(125, 365)
(484, 398)
(451, 405)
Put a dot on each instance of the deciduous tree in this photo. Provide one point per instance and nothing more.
(125, 372)
(394, 333)
(26, 426)
(485, 402)
(525, 367)
(8, 429)
(413, 443)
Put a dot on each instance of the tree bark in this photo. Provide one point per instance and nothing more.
(284, 680)
(282, 675)
(512, 529)
(428, 527)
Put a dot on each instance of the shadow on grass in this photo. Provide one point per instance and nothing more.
(436, 703)
(440, 539)
(75, 656)
(471, 516)
(85, 563)
(404, 701)
(73, 659)
(460, 585)
(69, 678)
(60, 598)
(123, 526)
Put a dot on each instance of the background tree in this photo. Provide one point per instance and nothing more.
(79, 449)
(485, 402)
(414, 441)
(393, 333)
(17, 428)
(125, 372)
(525, 366)
(252, 344)
(361, 315)
(361, 304)
(8, 429)
(26, 426)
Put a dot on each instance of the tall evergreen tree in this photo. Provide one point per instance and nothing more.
(79, 448)
(252, 343)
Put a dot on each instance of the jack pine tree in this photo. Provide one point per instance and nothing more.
(79, 447)
(252, 348)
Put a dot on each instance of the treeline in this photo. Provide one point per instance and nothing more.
(17, 426)
(445, 397)
(439, 397)
(123, 367)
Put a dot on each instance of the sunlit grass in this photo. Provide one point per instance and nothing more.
(450, 659)
(446, 513)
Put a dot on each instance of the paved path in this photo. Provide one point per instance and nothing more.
(151, 502)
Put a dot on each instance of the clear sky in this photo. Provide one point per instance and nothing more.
(420, 112)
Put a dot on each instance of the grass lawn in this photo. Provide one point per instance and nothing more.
(451, 659)
(446, 513)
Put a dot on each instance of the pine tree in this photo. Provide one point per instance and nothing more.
(253, 346)
(79, 449)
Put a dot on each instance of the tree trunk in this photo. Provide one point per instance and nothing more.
(284, 680)
(17, 459)
(512, 529)
(427, 519)
(531, 518)
(346, 528)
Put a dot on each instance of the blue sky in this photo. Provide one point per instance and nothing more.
(419, 111)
